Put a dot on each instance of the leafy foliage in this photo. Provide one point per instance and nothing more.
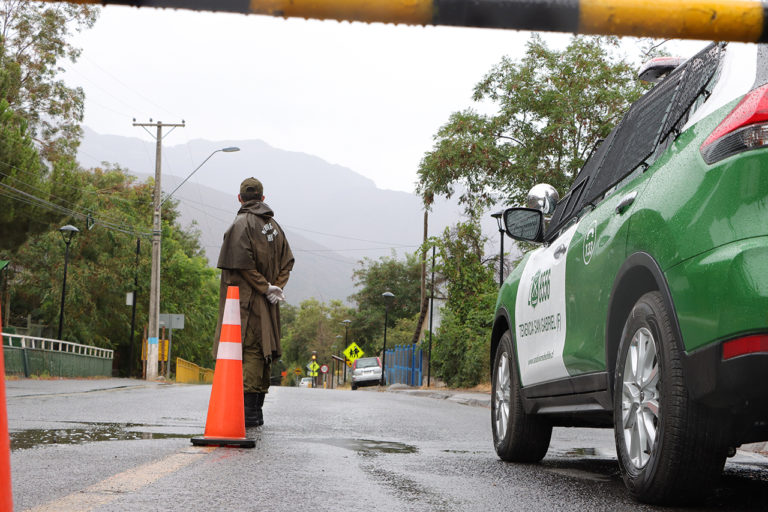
(462, 344)
(375, 277)
(552, 107)
(102, 268)
(39, 115)
(21, 169)
(35, 38)
(313, 326)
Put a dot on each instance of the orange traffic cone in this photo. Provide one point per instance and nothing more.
(225, 425)
(6, 498)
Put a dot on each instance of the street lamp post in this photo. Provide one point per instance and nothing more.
(338, 364)
(346, 344)
(231, 149)
(67, 232)
(500, 221)
(154, 290)
(334, 363)
(388, 296)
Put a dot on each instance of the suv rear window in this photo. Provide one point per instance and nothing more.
(633, 143)
(366, 362)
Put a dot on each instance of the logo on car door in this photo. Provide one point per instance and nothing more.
(540, 312)
(539, 288)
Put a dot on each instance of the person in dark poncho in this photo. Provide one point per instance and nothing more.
(255, 256)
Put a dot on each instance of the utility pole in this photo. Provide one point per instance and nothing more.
(153, 335)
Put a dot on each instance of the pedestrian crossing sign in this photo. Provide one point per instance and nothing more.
(314, 366)
(353, 352)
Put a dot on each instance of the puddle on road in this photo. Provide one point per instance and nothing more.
(583, 452)
(580, 474)
(368, 447)
(90, 433)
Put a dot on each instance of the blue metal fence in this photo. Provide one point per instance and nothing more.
(404, 365)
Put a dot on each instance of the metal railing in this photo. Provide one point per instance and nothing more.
(404, 365)
(32, 355)
(22, 341)
(190, 373)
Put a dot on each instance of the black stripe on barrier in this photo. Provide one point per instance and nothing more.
(764, 35)
(546, 15)
(242, 6)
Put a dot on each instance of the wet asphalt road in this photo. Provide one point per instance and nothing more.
(126, 447)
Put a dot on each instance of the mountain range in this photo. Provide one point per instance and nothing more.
(333, 217)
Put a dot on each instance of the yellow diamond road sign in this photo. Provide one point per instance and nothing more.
(314, 366)
(353, 352)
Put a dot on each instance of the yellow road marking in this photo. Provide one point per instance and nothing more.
(129, 481)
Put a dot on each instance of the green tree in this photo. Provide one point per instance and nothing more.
(374, 277)
(39, 116)
(35, 38)
(314, 327)
(551, 108)
(102, 269)
(461, 347)
(22, 178)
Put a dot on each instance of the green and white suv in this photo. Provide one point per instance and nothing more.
(645, 308)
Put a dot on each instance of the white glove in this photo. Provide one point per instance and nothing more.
(275, 294)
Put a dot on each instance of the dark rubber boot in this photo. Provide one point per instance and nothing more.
(259, 403)
(253, 409)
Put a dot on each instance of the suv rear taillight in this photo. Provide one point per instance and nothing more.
(745, 128)
(746, 345)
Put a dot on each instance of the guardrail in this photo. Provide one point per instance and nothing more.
(190, 373)
(31, 355)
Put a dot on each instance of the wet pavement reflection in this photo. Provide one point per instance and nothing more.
(368, 447)
(86, 433)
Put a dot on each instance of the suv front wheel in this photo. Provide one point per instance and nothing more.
(517, 436)
(670, 448)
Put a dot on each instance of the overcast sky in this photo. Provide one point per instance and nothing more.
(366, 96)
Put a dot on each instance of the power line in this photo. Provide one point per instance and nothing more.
(100, 192)
(389, 245)
(128, 87)
(63, 201)
(33, 200)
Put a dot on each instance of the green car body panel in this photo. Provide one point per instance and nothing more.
(645, 309)
(706, 226)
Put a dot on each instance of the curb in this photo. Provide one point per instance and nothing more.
(470, 399)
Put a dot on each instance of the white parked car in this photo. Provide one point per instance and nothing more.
(305, 382)
(366, 371)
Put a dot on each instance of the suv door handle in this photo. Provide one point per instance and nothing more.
(560, 251)
(626, 201)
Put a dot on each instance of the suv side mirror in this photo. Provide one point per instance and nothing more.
(525, 224)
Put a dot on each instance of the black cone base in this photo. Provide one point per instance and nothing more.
(224, 441)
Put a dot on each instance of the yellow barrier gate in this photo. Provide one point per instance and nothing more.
(724, 20)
